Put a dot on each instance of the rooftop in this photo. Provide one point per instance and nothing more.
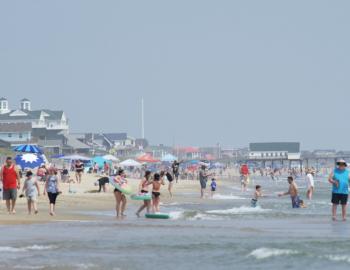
(290, 147)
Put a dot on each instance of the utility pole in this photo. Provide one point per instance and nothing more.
(142, 119)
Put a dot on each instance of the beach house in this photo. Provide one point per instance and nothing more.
(45, 127)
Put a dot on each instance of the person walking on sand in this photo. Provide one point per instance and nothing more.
(339, 179)
(120, 198)
(310, 183)
(32, 191)
(11, 181)
(293, 193)
(52, 188)
(176, 170)
(143, 189)
(79, 170)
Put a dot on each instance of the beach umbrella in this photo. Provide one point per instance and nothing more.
(130, 163)
(29, 161)
(28, 148)
(111, 158)
(169, 158)
(147, 158)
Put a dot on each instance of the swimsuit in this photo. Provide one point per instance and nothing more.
(156, 194)
(295, 201)
(254, 203)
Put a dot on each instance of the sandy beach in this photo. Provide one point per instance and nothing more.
(71, 206)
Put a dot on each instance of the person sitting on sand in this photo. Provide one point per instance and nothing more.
(293, 192)
(257, 194)
(339, 179)
(32, 191)
(143, 189)
(156, 185)
(120, 198)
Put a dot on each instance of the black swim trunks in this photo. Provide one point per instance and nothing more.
(156, 194)
(339, 198)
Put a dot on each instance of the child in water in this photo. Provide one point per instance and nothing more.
(257, 194)
(213, 186)
(156, 185)
(31, 190)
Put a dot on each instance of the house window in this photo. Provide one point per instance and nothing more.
(10, 135)
(20, 135)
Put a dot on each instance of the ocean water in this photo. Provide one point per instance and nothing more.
(220, 233)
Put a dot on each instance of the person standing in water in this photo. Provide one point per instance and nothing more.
(156, 185)
(11, 180)
(143, 190)
(203, 179)
(120, 198)
(292, 192)
(244, 172)
(257, 194)
(339, 179)
(310, 183)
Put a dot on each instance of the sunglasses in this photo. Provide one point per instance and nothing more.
(341, 164)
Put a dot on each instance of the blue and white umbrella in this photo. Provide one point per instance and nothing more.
(28, 148)
(29, 161)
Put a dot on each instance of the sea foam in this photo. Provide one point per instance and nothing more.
(264, 253)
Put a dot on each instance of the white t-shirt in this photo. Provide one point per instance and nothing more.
(310, 180)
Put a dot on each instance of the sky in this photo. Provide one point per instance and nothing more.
(228, 72)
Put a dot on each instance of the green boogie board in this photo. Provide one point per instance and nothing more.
(141, 197)
(158, 216)
(125, 189)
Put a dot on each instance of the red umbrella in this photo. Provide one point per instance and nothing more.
(147, 158)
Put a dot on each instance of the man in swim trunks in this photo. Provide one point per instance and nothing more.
(11, 180)
(339, 179)
(293, 192)
(176, 168)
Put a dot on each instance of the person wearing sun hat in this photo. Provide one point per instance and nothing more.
(339, 179)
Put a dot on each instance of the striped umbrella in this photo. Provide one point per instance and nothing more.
(28, 148)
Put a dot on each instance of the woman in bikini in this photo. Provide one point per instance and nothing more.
(120, 198)
(156, 185)
(143, 189)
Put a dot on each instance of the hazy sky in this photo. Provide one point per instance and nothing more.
(231, 72)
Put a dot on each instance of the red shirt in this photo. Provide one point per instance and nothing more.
(244, 170)
(9, 177)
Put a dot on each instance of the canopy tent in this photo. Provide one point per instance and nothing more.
(29, 161)
(75, 157)
(111, 158)
(59, 156)
(147, 158)
(169, 158)
(130, 163)
(28, 148)
(100, 161)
